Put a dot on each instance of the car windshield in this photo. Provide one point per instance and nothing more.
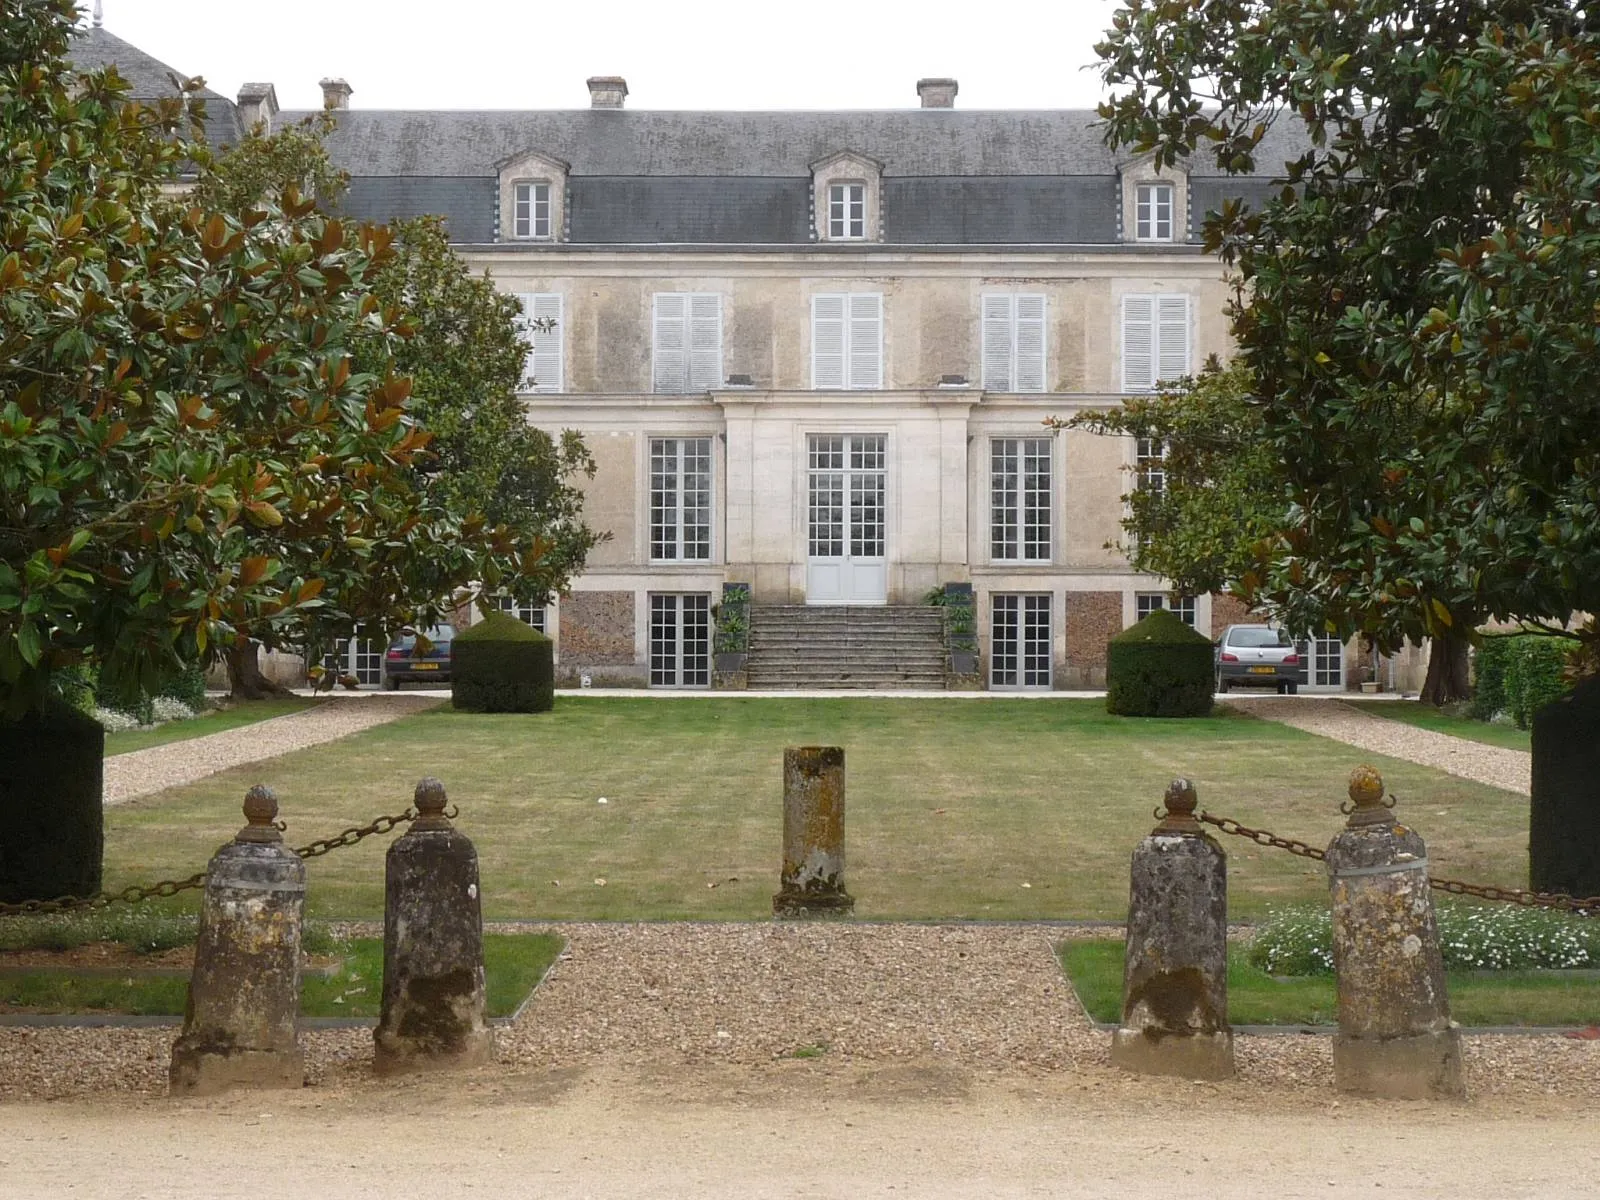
(1258, 635)
(437, 634)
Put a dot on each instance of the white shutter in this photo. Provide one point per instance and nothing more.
(670, 372)
(1138, 343)
(529, 301)
(827, 341)
(1030, 344)
(865, 341)
(705, 341)
(997, 346)
(544, 357)
(1172, 362)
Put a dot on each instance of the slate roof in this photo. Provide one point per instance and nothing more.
(151, 79)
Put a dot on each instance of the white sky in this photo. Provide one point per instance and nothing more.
(689, 54)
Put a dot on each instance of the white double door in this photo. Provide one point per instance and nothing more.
(845, 561)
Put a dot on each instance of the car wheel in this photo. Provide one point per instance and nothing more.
(1292, 689)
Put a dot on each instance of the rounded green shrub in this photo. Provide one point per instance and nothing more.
(502, 664)
(1159, 668)
(51, 804)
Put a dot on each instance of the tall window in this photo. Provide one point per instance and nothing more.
(1150, 464)
(541, 326)
(528, 614)
(1013, 342)
(1019, 491)
(847, 340)
(680, 499)
(1146, 603)
(847, 211)
(1155, 340)
(1019, 640)
(687, 342)
(680, 640)
(530, 210)
(1153, 216)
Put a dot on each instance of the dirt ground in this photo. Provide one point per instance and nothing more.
(792, 1129)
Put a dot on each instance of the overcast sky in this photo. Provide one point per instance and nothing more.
(688, 54)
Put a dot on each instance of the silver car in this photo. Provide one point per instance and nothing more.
(1257, 656)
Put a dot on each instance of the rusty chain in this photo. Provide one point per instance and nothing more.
(171, 887)
(1455, 887)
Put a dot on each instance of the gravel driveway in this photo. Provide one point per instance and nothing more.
(129, 776)
(1496, 766)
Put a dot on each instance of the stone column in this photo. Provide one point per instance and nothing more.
(241, 1022)
(812, 882)
(1175, 973)
(1395, 1035)
(434, 1006)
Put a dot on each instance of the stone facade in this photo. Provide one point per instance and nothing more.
(1229, 610)
(1093, 619)
(598, 631)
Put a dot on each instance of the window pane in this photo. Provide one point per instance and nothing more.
(664, 498)
(1004, 495)
(1145, 603)
(696, 493)
(1003, 648)
(694, 659)
(1036, 499)
(663, 640)
(1036, 641)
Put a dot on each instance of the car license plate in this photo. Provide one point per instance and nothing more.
(435, 667)
(1263, 670)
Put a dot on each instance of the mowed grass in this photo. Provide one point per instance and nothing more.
(1256, 998)
(952, 806)
(233, 717)
(1425, 716)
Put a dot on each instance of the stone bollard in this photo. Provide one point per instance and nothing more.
(1175, 975)
(812, 881)
(1395, 1035)
(240, 1025)
(434, 1005)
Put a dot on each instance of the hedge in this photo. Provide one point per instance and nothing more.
(1518, 674)
(51, 782)
(502, 664)
(1160, 668)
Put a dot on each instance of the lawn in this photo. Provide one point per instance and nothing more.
(235, 715)
(1425, 716)
(1256, 998)
(513, 966)
(952, 806)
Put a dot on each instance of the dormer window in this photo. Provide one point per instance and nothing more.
(530, 212)
(847, 211)
(1153, 215)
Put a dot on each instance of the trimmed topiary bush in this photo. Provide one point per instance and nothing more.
(1159, 668)
(1534, 675)
(50, 804)
(502, 664)
(1489, 677)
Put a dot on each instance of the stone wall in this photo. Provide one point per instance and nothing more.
(1093, 619)
(1228, 610)
(597, 630)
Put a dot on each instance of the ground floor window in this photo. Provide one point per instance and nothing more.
(680, 640)
(1145, 603)
(531, 614)
(361, 657)
(1322, 661)
(1019, 640)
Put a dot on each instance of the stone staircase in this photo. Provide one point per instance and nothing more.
(816, 646)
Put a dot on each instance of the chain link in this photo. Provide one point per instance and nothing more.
(1455, 887)
(171, 887)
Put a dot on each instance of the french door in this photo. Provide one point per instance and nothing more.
(1019, 640)
(1322, 663)
(680, 640)
(845, 561)
(361, 657)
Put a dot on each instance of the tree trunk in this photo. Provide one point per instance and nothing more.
(245, 680)
(1448, 677)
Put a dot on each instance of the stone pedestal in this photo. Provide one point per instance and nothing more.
(241, 1022)
(1395, 1035)
(812, 880)
(434, 1006)
(1175, 973)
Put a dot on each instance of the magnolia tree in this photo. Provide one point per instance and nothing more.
(1416, 307)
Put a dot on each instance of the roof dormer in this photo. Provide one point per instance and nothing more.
(533, 198)
(846, 198)
(1155, 202)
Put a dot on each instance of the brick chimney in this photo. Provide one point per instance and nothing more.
(607, 91)
(258, 104)
(336, 93)
(938, 93)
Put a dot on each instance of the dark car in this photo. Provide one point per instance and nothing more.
(1257, 656)
(414, 661)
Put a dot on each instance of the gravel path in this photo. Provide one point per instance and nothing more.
(141, 772)
(1496, 766)
(686, 998)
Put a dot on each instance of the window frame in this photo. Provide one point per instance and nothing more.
(687, 384)
(517, 608)
(669, 670)
(529, 232)
(679, 526)
(1157, 317)
(1187, 608)
(1010, 544)
(1147, 204)
(1021, 665)
(844, 225)
(847, 349)
(1014, 323)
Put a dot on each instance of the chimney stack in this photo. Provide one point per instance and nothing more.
(258, 104)
(336, 93)
(937, 93)
(607, 91)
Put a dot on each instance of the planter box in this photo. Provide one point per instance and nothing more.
(963, 662)
(1371, 689)
(728, 671)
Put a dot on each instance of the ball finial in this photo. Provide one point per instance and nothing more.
(1180, 802)
(261, 813)
(1366, 805)
(430, 802)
